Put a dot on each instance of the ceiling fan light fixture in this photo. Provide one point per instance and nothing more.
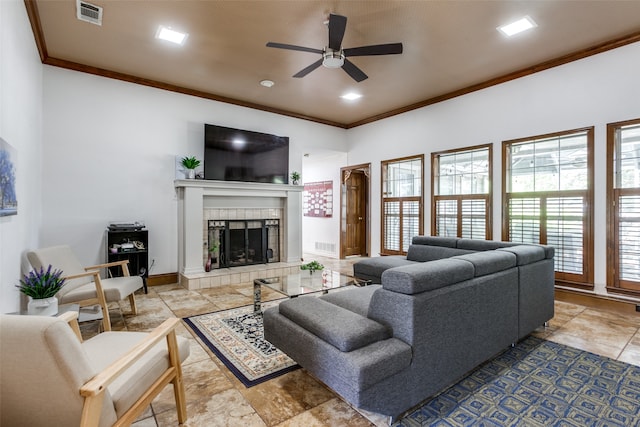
(516, 27)
(332, 58)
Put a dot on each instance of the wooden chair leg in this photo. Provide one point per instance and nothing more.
(91, 410)
(132, 302)
(106, 320)
(178, 386)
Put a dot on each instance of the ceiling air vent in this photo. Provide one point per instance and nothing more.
(89, 13)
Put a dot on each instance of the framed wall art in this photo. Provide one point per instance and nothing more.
(317, 199)
(8, 198)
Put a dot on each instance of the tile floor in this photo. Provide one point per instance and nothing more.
(216, 398)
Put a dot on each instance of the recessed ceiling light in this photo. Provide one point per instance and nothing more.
(267, 83)
(518, 26)
(166, 33)
(351, 96)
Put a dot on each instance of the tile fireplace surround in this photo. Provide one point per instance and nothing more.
(200, 200)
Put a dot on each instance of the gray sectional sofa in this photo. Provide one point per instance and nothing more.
(434, 315)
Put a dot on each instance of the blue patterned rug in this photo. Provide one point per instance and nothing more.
(538, 383)
(236, 336)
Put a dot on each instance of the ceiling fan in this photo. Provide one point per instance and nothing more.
(334, 56)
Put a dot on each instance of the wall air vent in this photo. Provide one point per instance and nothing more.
(88, 12)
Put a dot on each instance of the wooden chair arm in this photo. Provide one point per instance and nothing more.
(99, 291)
(124, 263)
(94, 273)
(99, 383)
(96, 280)
(107, 264)
(71, 317)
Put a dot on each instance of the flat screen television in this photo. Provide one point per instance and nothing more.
(243, 155)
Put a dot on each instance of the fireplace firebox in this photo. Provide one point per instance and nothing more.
(234, 243)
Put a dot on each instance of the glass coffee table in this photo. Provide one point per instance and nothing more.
(303, 283)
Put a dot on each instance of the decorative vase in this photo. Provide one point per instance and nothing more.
(191, 173)
(207, 266)
(43, 306)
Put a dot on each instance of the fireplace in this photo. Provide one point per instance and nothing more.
(201, 201)
(235, 243)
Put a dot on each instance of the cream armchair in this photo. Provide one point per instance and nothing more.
(84, 285)
(48, 376)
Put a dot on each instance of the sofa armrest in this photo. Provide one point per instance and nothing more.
(340, 327)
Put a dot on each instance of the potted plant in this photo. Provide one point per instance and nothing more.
(41, 288)
(190, 164)
(295, 177)
(312, 266)
(211, 256)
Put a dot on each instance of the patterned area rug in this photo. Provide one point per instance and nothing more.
(538, 383)
(236, 337)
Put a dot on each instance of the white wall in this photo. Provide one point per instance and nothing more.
(92, 150)
(20, 126)
(317, 168)
(110, 149)
(591, 92)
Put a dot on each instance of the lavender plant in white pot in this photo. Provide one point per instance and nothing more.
(41, 288)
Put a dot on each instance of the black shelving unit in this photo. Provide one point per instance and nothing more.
(119, 244)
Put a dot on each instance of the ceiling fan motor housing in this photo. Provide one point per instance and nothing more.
(332, 58)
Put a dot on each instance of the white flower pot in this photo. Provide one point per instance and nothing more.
(43, 307)
(190, 173)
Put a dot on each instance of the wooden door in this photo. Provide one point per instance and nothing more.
(355, 231)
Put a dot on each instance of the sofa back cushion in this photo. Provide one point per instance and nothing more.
(483, 245)
(489, 262)
(422, 277)
(488, 245)
(449, 242)
(422, 253)
(526, 254)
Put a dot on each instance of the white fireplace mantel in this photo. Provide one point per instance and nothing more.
(191, 199)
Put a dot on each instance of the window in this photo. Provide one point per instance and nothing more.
(402, 208)
(461, 193)
(548, 199)
(623, 207)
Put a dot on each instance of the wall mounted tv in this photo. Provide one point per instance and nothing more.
(243, 155)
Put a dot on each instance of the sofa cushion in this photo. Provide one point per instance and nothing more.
(489, 261)
(423, 253)
(425, 276)
(374, 267)
(356, 299)
(327, 321)
(526, 254)
(103, 349)
(483, 245)
(449, 242)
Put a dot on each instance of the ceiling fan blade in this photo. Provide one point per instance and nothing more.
(337, 25)
(294, 47)
(308, 69)
(356, 73)
(378, 49)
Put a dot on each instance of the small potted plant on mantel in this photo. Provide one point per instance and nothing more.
(41, 288)
(190, 164)
(295, 177)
